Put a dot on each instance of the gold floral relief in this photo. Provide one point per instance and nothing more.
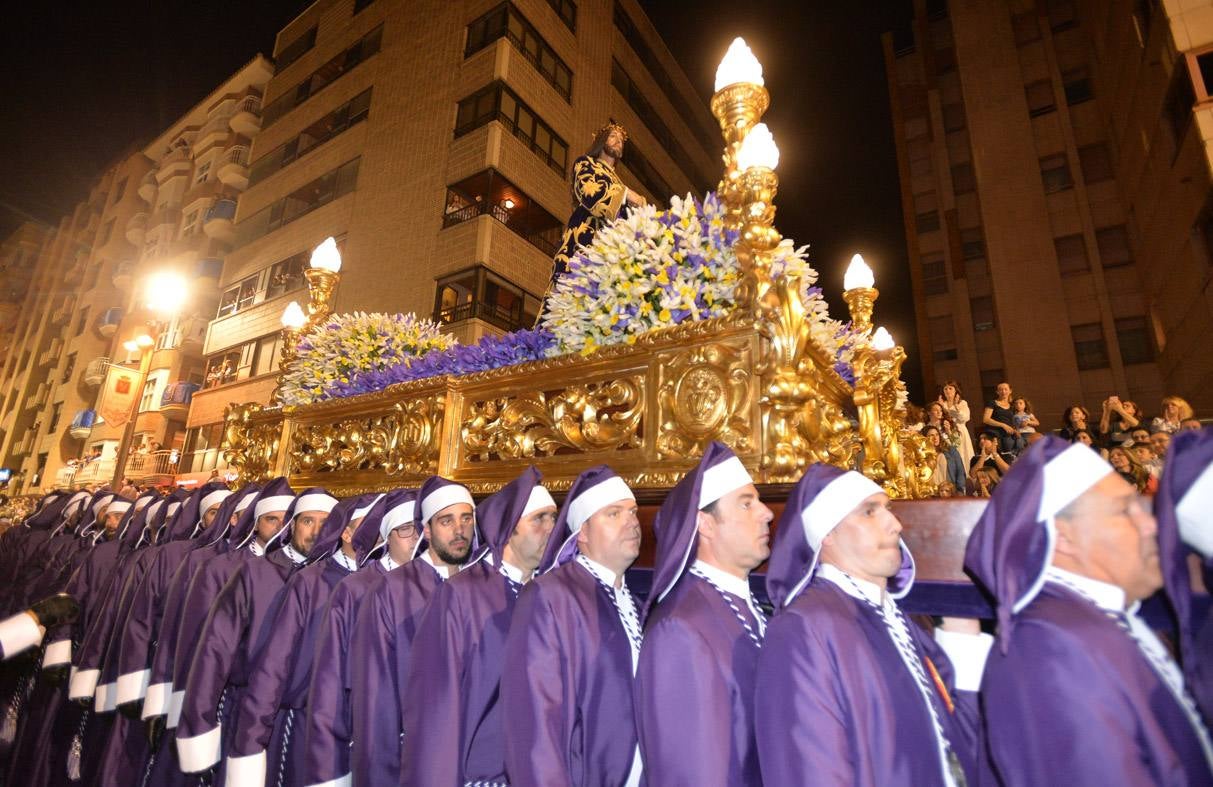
(705, 393)
(593, 416)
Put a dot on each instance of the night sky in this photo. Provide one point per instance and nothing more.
(85, 83)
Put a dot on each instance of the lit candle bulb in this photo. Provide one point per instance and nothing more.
(293, 317)
(858, 275)
(738, 65)
(882, 340)
(758, 149)
(326, 257)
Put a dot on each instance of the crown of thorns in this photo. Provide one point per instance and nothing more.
(608, 128)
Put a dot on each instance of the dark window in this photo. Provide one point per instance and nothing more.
(990, 378)
(648, 176)
(81, 321)
(942, 331)
(1040, 98)
(321, 191)
(1143, 10)
(934, 275)
(296, 49)
(1071, 255)
(1114, 249)
(1204, 64)
(1077, 85)
(360, 5)
(903, 39)
(972, 243)
(1026, 28)
(120, 190)
(1055, 173)
(69, 367)
(652, 63)
(106, 232)
(57, 413)
(322, 77)
(982, 309)
(953, 117)
(927, 222)
(963, 180)
(239, 296)
(1095, 162)
(488, 193)
(505, 21)
(1177, 108)
(946, 355)
(498, 102)
(567, 11)
(343, 117)
(634, 97)
(1133, 336)
(1062, 15)
(1089, 346)
(937, 9)
(945, 60)
(482, 294)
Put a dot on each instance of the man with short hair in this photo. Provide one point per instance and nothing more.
(704, 630)
(576, 626)
(267, 747)
(386, 625)
(1190, 425)
(454, 717)
(849, 691)
(1079, 690)
(223, 660)
(1160, 441)
(1139, 435)
(989, 456)
(390, 528)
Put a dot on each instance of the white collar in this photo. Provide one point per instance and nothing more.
(444, 572)
(722, 579)
(602, 572)
(293, 555)
(511, 571)
(1105, 596)
(855, 587)
(255, 547)
(387, 562)
(345, 561)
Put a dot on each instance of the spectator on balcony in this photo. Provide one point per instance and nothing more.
(988, 454)
(939, 473)
(1160, 442)
(985, 480)
(1144, 454)
(949, 442)
(1174, 412)
(1025, 421)
(1140, 434)
(1117, 420)
(998, 418)
(1190, 424)
(957, 409)
(1128, 468)
(1075, 419)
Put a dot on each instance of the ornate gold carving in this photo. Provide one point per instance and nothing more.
(706, 395)
(595, 416)
(250, 442)
(406, 440)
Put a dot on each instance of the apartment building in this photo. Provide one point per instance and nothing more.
(1045, 248)
(435, 141)
(168, 206)
(18, 260)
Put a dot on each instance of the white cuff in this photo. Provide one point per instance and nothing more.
(132, 686)
(156, 701)
(341, 781)
(968, 653)
(18, 633)
(58, 653)
(107, 697)
(83, 683)
(246, 771)
(200, 752)
(175, 701)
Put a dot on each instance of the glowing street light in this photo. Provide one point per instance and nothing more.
(166, 292)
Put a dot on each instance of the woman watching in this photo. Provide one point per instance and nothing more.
(999, 419)
(1174, 412)
(1128, 468)
(1117, 420)
(1073, 421)
(957, 409)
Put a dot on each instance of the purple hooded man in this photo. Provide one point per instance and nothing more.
(387, 622)
(267, 746)
(1079, 690)
(454, 716)
(849, 690)
(704, 630)
(1185, 526)
(390, 528)
(573, 645)
(235, 627)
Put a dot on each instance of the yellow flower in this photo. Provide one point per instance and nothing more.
(664, 315)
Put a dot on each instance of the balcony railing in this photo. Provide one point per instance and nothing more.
(142, 466)
(247, 118)
(542, 240)
(222, 209)
(148, 187)
(180, 393)
(506, 319)
(82, 424)
(96, 471)
(94, 373)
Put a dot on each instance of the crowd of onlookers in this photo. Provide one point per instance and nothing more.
(1133, 442)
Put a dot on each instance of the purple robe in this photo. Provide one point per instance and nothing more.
(696, 655)
(382, 644)
(270, 716)
(835, 699)
(455, 730)
(567, 680)
(1074, 701)
(329, 729)
(219, 672)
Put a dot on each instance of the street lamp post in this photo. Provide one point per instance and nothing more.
(165, 293)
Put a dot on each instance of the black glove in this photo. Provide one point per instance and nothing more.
(56, 610)
(155, 730)
(131, 709)
(55, 676)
